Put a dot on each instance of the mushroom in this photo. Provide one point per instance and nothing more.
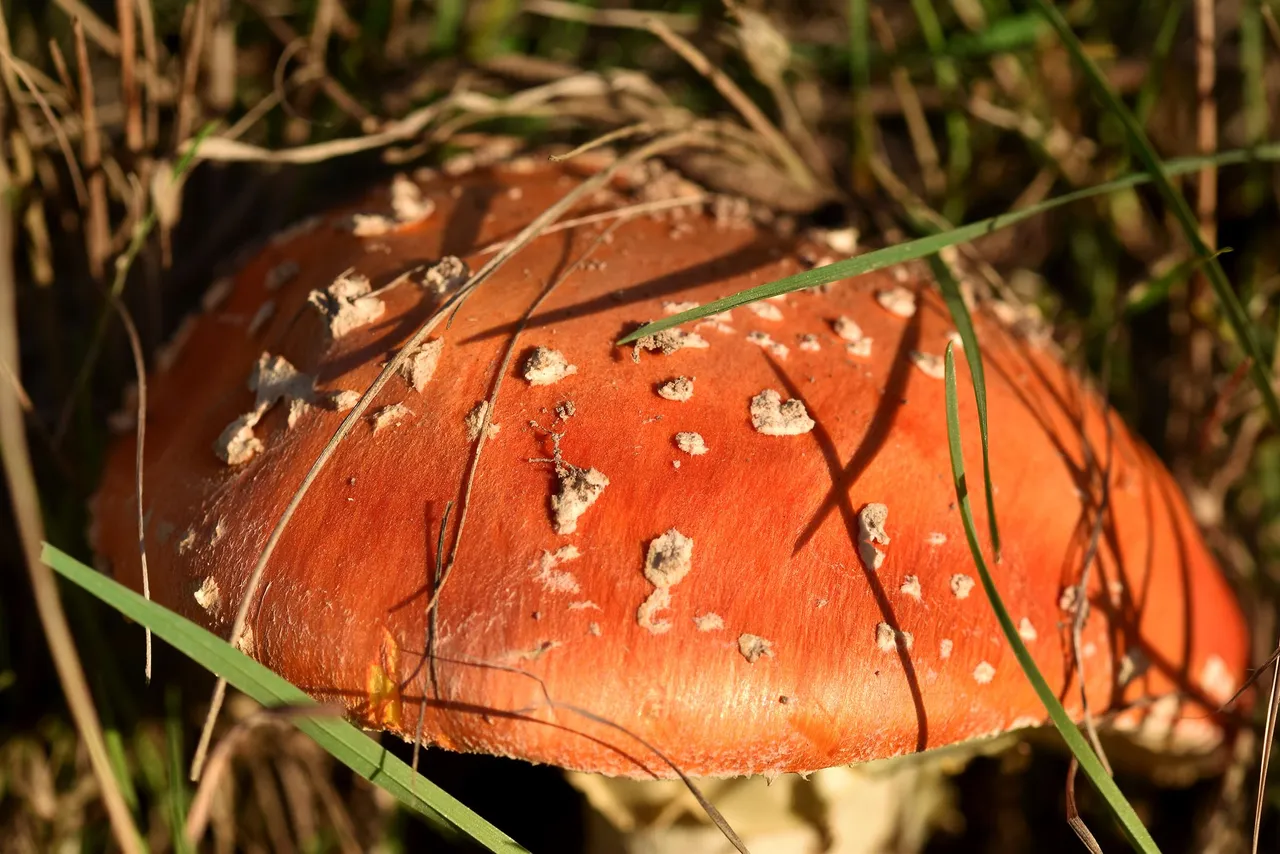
(806, 572)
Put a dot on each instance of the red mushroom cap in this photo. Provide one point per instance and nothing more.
(739, 544)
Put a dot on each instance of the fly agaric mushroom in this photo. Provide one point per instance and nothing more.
(768, 575)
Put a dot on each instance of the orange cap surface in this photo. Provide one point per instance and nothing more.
(745, 551)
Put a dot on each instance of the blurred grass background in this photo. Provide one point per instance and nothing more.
(908, 113)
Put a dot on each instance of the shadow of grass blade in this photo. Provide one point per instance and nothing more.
(933, 243)
(1102, 782)
(1178, 206)
(343, 741)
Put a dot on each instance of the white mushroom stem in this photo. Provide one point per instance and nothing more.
(859, 810)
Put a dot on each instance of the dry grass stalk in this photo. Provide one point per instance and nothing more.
(140, 371)
(228, 150)
(193, 26)
(127, 20)
(1200, 343)
(221, 58)
(60, 134)
(11, 376)
(25, 501)
(203, 803)
(151, 55)
(97, 225)
(342, 99)
(935, 180)
(754, 117)
(623, 18)
(97, 29)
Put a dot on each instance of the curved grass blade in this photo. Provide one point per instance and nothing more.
(343, 741)
(933, 243)
(1102, 782)
(1178, 206)
(969, 340)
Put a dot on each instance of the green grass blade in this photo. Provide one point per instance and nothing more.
(959, 150)
(1089, 764)
(969, 339)
(448, 24)
(114, 741)
(1253, 61)
(175, 773)
(934, 243)
(860, 80)
(1160, 50)
(1178, 206)
(1147, 295)
(1004, 34)
(343, 741)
